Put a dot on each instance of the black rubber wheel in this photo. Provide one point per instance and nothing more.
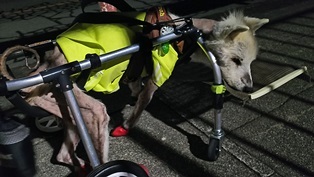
(119, 168)
(213, 149)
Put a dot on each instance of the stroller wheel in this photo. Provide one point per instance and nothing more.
(119, 168)
(49, 124)
(213, 149)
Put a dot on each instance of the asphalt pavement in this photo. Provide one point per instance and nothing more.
(272, 136)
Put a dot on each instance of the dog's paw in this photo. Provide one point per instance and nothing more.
(119, 131)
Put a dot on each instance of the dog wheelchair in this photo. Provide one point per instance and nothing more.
(62, 76)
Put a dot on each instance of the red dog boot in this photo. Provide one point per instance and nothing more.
(83, 170)
(144, 168)
(119, 131)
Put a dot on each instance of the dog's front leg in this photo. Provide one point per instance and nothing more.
(144, 99)
(136, 88)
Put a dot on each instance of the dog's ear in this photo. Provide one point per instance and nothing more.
(206, 25)
(222, 31)
(255, 23)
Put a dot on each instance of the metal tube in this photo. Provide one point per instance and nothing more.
(217, 132)
(134, 48)
(212, 59)
(216, 68)
(85, 64)
(218, 122)
(20, 83)
(86, 139)
(166, 38)
(119, 53)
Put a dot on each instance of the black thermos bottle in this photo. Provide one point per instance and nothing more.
(16, 149)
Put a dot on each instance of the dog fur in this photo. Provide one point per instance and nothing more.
(232, 41)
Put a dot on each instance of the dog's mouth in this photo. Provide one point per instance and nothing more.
(229, 87)
(232, 89)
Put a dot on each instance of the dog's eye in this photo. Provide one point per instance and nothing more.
(237, 61)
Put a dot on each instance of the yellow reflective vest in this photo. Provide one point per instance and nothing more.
(82, 39)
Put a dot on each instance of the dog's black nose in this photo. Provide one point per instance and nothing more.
(248, 89)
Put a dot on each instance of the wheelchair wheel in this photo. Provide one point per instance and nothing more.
(213, 149)
(119, 168)
(49, 124)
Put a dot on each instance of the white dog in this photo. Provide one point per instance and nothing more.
(231, 40)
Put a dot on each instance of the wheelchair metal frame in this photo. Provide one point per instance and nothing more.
(62, 75)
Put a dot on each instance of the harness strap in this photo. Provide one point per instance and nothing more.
(139, 60)
(143, 58)
(84, 75)
(156, 15)
(112, 17)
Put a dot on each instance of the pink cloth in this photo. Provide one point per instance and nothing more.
(105, 7)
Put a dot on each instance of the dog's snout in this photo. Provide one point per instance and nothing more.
(248, 89)
(248, 83)
(246, 79)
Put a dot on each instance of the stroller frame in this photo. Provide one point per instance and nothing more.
(62, 74)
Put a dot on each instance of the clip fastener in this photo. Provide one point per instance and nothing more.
(163, 49)
(218, 89)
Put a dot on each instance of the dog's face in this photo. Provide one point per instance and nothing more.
(235, 47)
